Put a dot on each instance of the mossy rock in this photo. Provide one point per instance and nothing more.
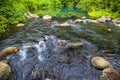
(5, 71)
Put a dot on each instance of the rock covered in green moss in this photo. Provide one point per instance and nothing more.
(77, 44)
(104, 19)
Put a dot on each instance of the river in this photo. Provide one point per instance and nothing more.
(43, 54)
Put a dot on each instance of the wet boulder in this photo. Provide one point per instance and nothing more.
(7, 51)
(47, 18)
(78, 20)
(30, 15)
(94, 21)
(110, 74)
(104, 19)
(117, 25)
(116, 22)
(5, 70)
(100, 63)
(20, 25)
(86, 21)
(63, 42)
(65, 24)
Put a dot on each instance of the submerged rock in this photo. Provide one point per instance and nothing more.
(76, 44)
(117, 25)
(110, 74)
(5, 71)
(100, 63)
(62, 58)
(7, 51)
(78, 20)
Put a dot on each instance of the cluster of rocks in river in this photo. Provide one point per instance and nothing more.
(5, 69)
(108, 72)
(103, 19)
(28, 15)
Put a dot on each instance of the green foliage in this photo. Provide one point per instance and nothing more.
(3, 22)
(102, 12)
(11, 11)
(98, 8)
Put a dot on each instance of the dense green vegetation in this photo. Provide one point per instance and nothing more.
(12, 11)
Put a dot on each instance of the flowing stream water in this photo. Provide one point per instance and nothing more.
(43, 55)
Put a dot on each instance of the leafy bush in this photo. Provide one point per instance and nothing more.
(3, 25)
(11, 13)
(97, 14)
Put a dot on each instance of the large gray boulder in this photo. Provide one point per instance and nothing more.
(76, 44)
